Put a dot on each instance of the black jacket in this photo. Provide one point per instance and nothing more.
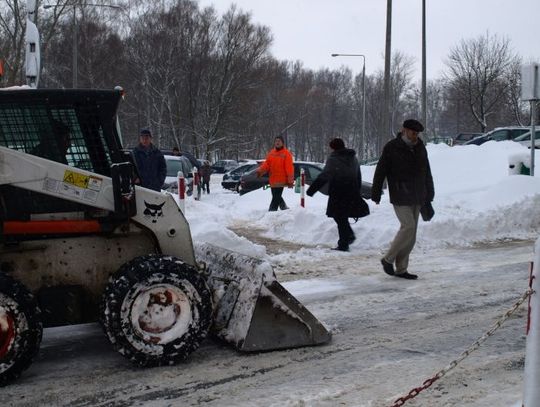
(342, 173)
(408, 173)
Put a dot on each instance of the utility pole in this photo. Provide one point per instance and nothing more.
(424, 87)
(386, 128)
(75, 44)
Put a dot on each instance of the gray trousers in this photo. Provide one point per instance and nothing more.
(405, 238)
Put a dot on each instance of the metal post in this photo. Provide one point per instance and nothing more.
(531, 391)
(386, 130)
(75, 51)
(424, 87)
(533, 134)
(363, 144)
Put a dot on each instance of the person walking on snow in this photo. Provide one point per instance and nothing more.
(205, 173)
(342, 173)
(279, 165)
(404, 163)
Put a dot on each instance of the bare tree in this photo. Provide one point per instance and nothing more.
(13, 29)
(478, 70)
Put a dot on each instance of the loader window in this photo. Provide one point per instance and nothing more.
(73, 129)
(20, 127)
(71, 135)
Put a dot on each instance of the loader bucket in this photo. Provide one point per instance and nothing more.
(253, 311)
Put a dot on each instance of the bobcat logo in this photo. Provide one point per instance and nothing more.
(154, 211)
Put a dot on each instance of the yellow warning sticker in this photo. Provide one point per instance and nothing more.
(77, 179)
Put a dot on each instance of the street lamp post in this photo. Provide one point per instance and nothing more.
(75, 29)
(363, 96)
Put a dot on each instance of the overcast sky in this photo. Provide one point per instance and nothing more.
(311, 30)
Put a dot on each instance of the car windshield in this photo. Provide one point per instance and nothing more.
(173, 166)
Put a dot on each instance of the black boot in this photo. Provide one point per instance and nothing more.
(341, 248)
(388, 267)
(407, 276)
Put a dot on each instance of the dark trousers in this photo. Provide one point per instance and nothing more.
(346, 234)
(206, 186)
(277, 200)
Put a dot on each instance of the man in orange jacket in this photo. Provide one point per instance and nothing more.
(279, 166)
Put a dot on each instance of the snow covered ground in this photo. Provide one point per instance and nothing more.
(389, 335)
(476, 201)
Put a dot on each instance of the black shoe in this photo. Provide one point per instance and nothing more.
(352, 239)
(407, 276)
(388, 267)
(341, 249)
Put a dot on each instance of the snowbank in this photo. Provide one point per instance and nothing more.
(476, 201)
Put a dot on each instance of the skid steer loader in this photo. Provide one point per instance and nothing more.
(81, 243)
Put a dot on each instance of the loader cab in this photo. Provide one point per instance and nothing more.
(73, 127)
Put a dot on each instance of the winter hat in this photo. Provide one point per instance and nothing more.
(337, 144)
(413, 125)
(146, 132)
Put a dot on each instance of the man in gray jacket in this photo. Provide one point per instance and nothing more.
(404, 163)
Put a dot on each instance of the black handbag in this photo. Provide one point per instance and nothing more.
(427, 212)
(360, 210)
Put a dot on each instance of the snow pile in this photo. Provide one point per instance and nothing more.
(476, 201)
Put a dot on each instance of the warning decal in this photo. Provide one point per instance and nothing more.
(77, 179)
(77, 185)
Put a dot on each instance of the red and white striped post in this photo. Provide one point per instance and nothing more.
(182, 192)
(302, 188)
(531, 392)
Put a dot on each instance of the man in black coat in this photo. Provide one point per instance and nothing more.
(342, 173)
(150, 162)
(404, 163)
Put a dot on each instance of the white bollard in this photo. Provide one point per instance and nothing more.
(531, 392)
(182, 192)
(302, 188)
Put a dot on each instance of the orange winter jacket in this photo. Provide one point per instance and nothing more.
(279, 164)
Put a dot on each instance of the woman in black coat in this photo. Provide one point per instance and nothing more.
(342, 172)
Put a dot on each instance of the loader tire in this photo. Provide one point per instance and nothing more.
(20, 329)
(156, 310)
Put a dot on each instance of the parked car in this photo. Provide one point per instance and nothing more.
(250, 181)
(525, 139)
(171, 181)
(462, 138)
(222, 166)
(499, 134)
(231, 179)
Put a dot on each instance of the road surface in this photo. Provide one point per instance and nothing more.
(389, 335)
